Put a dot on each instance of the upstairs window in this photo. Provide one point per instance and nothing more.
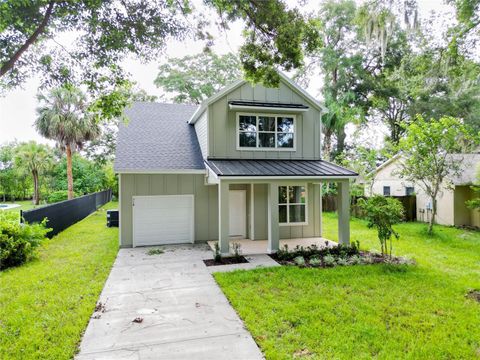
(386, 191)
(409, 190)
(265, 131)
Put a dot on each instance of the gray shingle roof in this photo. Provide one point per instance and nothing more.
(158, 137)
(223, 167)
(469, 166)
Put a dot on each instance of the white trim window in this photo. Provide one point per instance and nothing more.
(265, 132)
(292, 205)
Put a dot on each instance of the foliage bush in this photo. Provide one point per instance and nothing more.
(217, 255)
(340, 255)
(315, 262)
(382, 213)
(329, 260)
(88, 177)
(59, 195)
(18, 241)
(237, 250)
(313, 251)
(300, 261)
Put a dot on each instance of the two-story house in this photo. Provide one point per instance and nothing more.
(246, 164)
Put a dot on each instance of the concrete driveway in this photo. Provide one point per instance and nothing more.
(181, 312)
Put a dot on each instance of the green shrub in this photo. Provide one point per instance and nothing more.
(18, 241)
(299, 261)
(312, 251)
(354, 260)
(237, 250)
(217, 255)
(329, 260)
(58, 196)
(315, 262)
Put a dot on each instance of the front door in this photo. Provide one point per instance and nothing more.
(238, 213)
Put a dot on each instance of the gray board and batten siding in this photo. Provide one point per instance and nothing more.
(206, 205)
(222, 124)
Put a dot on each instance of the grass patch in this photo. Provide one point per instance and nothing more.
(45, 304)
(155, 252)
(360, 312)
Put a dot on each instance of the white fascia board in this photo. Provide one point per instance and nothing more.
(386, 163)
(211, 178)
(161, 171)
(317, 104)
(266, 108)
(314, 102)
(214, 98)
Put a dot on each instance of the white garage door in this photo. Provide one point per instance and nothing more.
(159, 220)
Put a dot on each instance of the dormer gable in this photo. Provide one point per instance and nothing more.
(256, 122)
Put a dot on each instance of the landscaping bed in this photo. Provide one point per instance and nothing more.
(226, 261)
(339, 255)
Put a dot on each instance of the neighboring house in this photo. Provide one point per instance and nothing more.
(451, 208)
(245, 164)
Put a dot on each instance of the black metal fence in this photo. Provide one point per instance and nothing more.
(63, 214)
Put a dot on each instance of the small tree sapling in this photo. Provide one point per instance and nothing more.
(382, 213)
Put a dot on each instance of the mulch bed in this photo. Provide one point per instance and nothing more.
(226, 261)
(367, 258)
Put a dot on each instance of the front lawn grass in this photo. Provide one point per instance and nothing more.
(45, 304)
(373, 311)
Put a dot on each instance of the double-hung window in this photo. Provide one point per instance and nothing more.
(262, 131)
(292, 205)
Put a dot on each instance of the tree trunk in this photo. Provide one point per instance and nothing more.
(36, 195)
(327, 146)
(8, 65)
(69, 172)
(434, 213)
(341, 136)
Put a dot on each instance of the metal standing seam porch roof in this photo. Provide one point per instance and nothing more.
(263, 104)
(289, 168)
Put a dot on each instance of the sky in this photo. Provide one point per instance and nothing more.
(17, 108)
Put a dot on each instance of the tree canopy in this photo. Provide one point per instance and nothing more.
(428, 157)
(194, 78)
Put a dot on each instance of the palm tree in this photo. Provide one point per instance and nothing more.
(63, 116)
(34, 159)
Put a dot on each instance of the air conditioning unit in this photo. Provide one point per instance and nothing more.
(112, 218)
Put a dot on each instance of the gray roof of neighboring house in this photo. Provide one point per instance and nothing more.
(240, 167)
(158, 137)
(470, 164)
(468, 171)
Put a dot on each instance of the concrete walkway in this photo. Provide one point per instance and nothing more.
(180, 310)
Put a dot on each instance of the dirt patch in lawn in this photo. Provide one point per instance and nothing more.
(226, 261)
(474, 294)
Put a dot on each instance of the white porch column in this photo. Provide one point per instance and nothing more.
(343, 209)
(223, 217)
(273, 227)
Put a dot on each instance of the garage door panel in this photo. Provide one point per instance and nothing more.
(159, 220)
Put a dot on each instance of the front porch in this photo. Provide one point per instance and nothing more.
(276, 200)
(255, 247)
